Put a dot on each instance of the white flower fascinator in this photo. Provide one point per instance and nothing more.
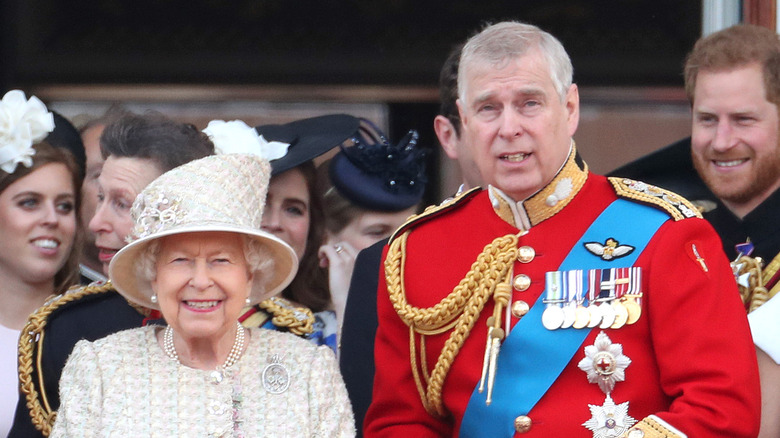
(235, 137)
(22, 123)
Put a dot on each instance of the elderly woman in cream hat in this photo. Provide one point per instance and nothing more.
(199, 256)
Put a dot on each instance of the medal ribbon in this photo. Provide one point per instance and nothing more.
(575, 286)
(553, 288)
(528, 364)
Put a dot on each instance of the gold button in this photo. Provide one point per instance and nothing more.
(522, 282)
(522, 424)
(519, 308)
(525, 254)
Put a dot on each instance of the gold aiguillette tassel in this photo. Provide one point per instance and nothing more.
(496, 333)
(486, 359)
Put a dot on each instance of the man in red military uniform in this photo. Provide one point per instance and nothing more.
(555, 302)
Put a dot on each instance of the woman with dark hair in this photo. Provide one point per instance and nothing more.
(294, 214)
(38, 227)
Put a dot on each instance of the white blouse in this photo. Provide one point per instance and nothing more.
(124, 385)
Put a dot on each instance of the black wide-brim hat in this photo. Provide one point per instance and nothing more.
(308, 138)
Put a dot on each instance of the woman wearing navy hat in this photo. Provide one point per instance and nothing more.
(368, 189)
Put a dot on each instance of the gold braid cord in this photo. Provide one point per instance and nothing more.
(754, 294)
(298, 320)
(30, 351)
(457, 312)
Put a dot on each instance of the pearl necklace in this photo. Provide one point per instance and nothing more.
(233, 356)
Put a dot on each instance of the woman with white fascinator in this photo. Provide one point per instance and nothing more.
(198, 255)
(38, 226)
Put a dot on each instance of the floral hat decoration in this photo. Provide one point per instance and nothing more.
(224, 192)
(23, 123)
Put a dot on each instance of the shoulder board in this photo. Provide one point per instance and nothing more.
(435, 210)
(678, 207)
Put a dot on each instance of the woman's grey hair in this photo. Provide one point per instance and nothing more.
(500, 43)
(257, 256)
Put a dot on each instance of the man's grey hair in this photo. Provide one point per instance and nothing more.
(500, 43)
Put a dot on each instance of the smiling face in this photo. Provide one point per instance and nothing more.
(735, 143)
(120, 181)
(287, 213)
(202, 283)
(37, 224)
(518, 127)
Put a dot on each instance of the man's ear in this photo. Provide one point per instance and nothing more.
(446, 135)
(573, 108)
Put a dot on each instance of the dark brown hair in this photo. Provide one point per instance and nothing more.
(734, 47)
(47, 154)
(310, 285)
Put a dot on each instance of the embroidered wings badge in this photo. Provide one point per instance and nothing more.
(610, 250)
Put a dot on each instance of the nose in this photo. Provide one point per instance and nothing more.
(510, 125)
(98, 223)
(270, 222)
(724, 137)
(50, 216)
(201, 278)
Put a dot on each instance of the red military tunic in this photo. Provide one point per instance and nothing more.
(693, 369)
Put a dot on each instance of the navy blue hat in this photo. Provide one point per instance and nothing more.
(376, 175)
(308, 138)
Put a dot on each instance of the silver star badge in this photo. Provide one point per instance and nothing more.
(605, 363)
(609, 420)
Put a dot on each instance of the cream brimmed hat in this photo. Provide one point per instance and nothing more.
(216, 193)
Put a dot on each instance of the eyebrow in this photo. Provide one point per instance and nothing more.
(525, 91)
(26, 193)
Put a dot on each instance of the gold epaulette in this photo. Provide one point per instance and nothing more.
(30, 350)
(298, 320)
(653, 427)
(435, 210)
(677, 206)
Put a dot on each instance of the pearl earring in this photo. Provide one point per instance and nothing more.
(153, 299)
(248, 301)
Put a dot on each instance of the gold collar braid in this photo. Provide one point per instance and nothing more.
(458, 311)
(548, 201)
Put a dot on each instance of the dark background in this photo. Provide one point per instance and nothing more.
(618, 42)
(328, 43)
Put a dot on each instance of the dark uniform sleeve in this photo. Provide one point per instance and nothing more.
(359, 329)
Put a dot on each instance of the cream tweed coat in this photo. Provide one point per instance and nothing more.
(125, 386)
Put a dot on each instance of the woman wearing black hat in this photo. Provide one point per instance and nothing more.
(294, 214)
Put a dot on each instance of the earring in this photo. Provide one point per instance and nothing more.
(153, 299)
(248, 301)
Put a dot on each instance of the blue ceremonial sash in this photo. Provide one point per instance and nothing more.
(532, 357)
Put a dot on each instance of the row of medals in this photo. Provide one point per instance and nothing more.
(608, 313)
